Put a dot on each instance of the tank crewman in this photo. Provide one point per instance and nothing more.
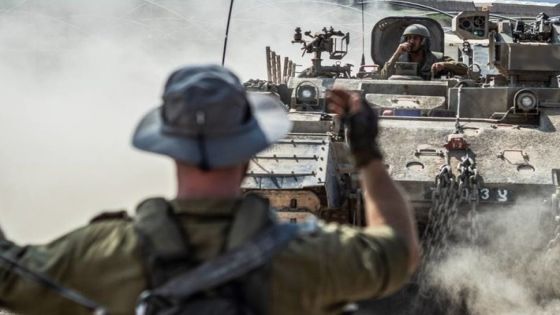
(415, 47)
(211, 128)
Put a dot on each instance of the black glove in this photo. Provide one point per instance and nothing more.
(361, 133)
(2, 237)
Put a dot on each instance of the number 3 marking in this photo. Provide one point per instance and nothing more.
(502, 195)
(485, 193)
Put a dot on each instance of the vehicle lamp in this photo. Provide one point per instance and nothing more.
(307, 93)
(526, 100)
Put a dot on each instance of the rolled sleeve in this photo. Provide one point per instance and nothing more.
(383, 241)
(362, 263)
(338, 264)
(458, 68)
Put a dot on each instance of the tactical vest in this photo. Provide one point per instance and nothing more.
(168, 256)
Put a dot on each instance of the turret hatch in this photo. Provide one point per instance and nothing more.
(386, 36)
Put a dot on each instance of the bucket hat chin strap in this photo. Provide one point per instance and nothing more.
(201, 140)
(203, 165)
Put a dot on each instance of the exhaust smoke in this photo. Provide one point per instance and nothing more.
(510, 272)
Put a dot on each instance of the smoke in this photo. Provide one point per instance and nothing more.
(510, 273)
(76, 77)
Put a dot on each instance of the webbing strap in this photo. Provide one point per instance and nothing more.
(165, 248)
(153, 219)
(230, 265)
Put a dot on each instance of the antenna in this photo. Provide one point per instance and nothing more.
(227, 33)
(362, 64)
(458, 128)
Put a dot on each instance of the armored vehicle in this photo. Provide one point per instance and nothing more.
(456, 144)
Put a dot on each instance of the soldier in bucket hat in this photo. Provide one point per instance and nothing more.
(208, 121)
(211, 127)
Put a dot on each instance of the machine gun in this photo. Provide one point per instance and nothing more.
(541, 30)
(335, 43)
(525, 54)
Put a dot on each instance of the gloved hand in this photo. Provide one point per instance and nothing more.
(361, 122)
(2, 237)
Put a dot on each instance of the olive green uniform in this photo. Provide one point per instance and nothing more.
(424, 69)
(315, 274)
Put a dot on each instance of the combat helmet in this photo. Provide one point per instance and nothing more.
(417, 29)
(420, 30)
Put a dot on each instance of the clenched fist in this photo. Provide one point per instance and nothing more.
(361, 125)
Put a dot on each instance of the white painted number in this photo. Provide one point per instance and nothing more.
(485, 194)
(502, 195)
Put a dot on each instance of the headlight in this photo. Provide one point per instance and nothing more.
(526, 100)
(306, 93)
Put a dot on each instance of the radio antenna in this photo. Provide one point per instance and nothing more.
(363, 63)
(227, 33)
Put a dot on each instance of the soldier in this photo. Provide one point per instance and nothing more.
(210, 127)
(415, 47)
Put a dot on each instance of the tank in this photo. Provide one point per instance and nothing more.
(457, 145)
(485, 141)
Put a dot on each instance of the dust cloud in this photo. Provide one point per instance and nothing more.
(510, 272)
(76, 76)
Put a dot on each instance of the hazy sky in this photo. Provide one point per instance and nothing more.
(76, 76)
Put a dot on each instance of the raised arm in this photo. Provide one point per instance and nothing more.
(385, 203)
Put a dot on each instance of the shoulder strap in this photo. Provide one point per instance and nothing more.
(165, 250)
(253, 215)
(229, 266)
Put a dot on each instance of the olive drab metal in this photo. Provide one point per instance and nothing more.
(457, 145)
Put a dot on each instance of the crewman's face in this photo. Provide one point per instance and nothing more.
(415, 42)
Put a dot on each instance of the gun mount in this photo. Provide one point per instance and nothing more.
(335, 43)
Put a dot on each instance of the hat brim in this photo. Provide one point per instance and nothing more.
(268, 124)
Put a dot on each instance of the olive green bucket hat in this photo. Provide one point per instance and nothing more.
(208, 120)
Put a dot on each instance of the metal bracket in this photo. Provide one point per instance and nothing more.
(496, 126)
(428, 151)
(523, 154)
